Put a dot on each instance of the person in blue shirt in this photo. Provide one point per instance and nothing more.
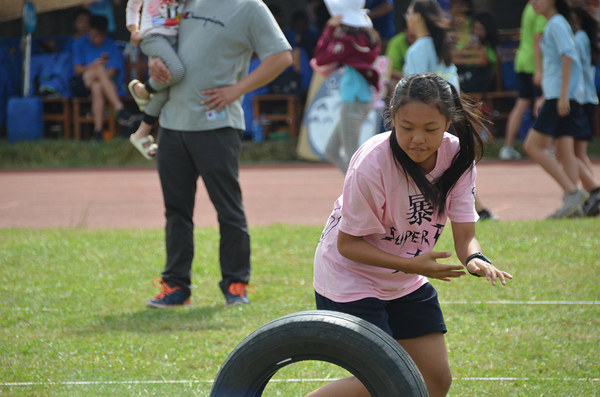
(431, 50)
(560, 111)
(586, 30)
(99, 69)
(381, 13)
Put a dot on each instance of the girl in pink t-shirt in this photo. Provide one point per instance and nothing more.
(376, 252)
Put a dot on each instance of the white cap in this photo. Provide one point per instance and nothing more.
(353, 11)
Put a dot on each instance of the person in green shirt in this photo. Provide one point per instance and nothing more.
(396, 51)
(528, 65)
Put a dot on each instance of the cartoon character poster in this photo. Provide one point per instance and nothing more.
(322, 112)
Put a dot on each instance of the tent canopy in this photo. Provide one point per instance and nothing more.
(12, 9)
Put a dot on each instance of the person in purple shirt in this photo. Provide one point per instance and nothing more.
(99, 70)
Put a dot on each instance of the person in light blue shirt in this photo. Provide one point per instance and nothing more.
(586, 26)
(561, 116)
(558, 42)
(431, 50)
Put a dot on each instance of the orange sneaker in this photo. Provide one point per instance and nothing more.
(168, 296)
(237, 294)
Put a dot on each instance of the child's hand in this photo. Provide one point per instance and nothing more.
(563, 106)
(335, 21)
(487, 270)
(135, 38)
(426, 264)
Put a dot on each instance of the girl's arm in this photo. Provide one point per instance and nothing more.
(132, 20)
(357, 249)
(537, 49)
(564, 106)
(466, 244)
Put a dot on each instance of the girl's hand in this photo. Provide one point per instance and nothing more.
(428, 266)
(487, 270)
(537, 79)
(135, 38)
(563, 106)
(335, 21)
(537, 106)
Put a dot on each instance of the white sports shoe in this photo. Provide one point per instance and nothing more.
(571, 204)
(508, 153)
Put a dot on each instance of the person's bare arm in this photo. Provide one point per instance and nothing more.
(537, 42)
(357, 249)
(466, 244)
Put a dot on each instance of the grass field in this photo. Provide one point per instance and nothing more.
(73, 321)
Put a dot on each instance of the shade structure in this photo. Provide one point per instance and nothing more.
(12, 9)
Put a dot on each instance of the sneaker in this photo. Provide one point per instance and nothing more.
(571, 202)
(168, 297)
(237, 295)
(487, 215)
(97, 136)
(578, 213)
(592, 206)
(508, 153)
(126, 118)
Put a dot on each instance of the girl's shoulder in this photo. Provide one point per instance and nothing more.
(558, 21)
(374, 154)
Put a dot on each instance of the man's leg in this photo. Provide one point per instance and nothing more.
(216, 155)
(99, 76)
(178, 178)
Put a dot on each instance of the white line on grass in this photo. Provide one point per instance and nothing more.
(507, 302)
(147, 382)
(520, 302)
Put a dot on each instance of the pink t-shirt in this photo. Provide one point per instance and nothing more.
(379, 204)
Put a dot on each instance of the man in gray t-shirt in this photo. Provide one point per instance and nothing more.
(201, 130)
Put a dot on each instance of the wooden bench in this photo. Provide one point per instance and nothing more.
(278, 107)
(82, 115)
(58, 109)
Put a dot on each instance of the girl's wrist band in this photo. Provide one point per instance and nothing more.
(477, 255)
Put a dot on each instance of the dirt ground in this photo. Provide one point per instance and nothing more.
(291, 194)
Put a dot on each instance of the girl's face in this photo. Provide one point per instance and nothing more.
(419, 130)
(542, 6)
(411, 19)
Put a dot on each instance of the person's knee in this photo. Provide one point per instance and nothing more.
(443, 380)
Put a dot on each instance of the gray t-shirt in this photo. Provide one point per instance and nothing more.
(216, 41)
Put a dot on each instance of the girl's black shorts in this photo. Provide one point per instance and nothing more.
(575, 124)
(416, 314)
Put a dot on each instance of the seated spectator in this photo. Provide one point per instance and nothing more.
(99, 69)
(381, 13)
(296, 78)
(396, 51)
(318, 13)
(81, 26)
(306, 36)
(485, 37)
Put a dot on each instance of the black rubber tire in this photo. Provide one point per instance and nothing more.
(361, 348)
